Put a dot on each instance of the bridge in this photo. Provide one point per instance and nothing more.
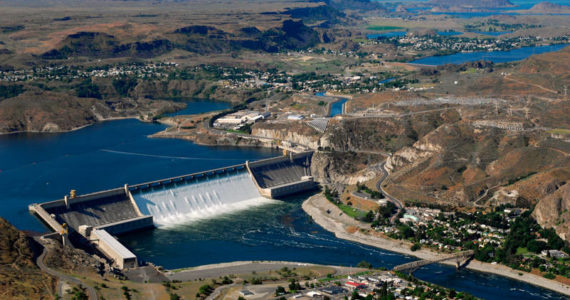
(459, 257)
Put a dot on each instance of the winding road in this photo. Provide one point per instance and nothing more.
(396, 202)
(62, 277)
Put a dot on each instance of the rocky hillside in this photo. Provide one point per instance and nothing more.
(20, 278)
(462, 165)
(47, 111)
(299, 132)
(382, 134)
(553, 211)
(198, 39)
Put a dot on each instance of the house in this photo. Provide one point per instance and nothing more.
(354, 285)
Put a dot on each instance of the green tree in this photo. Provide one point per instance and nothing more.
(87, 89)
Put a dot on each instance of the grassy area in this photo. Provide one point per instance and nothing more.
(383, 27)
(237, 131)
(522, 251)
(560, 131)
(352, 212)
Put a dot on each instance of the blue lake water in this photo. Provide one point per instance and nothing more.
(386, 80)
(43, 167)
(199, 106)
(492, 33)
(494, 56)
(374, 36)
(449, 33)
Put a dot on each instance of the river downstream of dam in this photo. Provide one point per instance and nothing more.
(36, 168)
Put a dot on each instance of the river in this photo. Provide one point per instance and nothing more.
(494, 56)
(43, 167)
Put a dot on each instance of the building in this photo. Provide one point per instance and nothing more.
(354, 285)
(241, 117)
(295, 117)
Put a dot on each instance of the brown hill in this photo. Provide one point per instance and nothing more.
(473, 3)
(553, 210)
(47, 111)
(20, 278)
(549, 8)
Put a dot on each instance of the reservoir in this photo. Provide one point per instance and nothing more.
(494, 56)
(42, 167)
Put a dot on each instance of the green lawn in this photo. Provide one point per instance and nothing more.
(522, 251)
(382, 27)
(352, 212)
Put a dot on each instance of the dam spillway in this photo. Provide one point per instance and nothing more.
(186, 201)
(94, 218)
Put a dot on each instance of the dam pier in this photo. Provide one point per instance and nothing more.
(93, 219)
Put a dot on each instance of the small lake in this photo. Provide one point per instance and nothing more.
(390, 34)
(449, 33)
(494, 56)
(492, 33)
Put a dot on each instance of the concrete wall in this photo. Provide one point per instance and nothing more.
(288, 189)
(303, 184)
(84, 198)
(45, 217)
(128, 225)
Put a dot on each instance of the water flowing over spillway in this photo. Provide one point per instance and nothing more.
(185, 202)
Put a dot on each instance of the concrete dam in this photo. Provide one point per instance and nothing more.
(94, 218)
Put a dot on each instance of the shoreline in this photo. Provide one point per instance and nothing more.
(75, 128)
(336, 222)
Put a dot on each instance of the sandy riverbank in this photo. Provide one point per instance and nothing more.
(337, 223)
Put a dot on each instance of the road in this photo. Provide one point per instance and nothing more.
(62, 277)
(396, 202)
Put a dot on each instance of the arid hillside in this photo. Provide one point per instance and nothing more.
(20, 278)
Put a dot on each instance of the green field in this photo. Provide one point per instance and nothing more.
(352, 212)
(560, 131)
(382, 28)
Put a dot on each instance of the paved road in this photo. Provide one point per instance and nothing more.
(396, 202)
(63, 277)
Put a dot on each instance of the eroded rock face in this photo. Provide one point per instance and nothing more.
(344, 168)
(423, 148)
(298, 133)
(553, 211)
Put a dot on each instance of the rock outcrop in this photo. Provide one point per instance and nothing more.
(553, 211)
(297, 132)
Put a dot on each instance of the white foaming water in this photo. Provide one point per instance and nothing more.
(186, 202)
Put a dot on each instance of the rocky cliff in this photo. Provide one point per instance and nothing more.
(345, 168)
(295, 132)
(553, 211)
